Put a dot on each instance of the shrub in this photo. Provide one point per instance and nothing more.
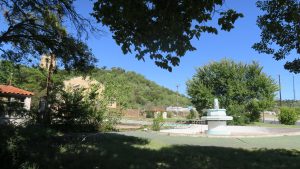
(254, 108)
(83, 110)
(169, 114)
(157, 123)
(149, 114)
(238, 114)
(72, 108)
(297, 109)
(192, 114)
(287, 116)
(111, 119)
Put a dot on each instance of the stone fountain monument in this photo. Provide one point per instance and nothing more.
(217, 120)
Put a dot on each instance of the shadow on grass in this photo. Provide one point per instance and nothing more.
(118, 151)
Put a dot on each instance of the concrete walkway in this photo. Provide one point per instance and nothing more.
(236, 131)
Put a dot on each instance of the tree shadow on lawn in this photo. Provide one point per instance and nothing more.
(118, 151)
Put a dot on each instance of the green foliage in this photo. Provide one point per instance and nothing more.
(31, 79)
(111, 118)
(128, 89)
(7, 70)
(149, 114)
(297, 109)
(31, 28)
(169, 114)
(82, 107)
(255, 107)
(157, 122)
(288, 103)
(72, 108)
(140, 92)
(288, 116)
(192, 114)
(13, 108)
(280, 30)
(238, 114)
(241, 88)
(161, 30)
(47, 149)
(16, 143)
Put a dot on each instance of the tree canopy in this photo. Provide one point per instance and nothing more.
(161, 30)
(35, 27)
(280, 36)
(240, 88)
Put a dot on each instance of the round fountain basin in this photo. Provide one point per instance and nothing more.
(216, 112)
(217, 118)
(217, 128)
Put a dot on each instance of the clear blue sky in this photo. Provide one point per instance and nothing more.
(235, 45)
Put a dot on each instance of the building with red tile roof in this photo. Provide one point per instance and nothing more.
(8, 89)
(10, 93)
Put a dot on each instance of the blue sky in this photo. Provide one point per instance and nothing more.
(234, 45)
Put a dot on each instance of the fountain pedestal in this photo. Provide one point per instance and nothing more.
(217, 120)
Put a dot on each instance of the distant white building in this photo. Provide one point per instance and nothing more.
(178, 109)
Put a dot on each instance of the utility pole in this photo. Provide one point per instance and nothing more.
(280, 102)
(294, 90)
(177, 86)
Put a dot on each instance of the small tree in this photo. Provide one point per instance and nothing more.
(72, 108)
(157, 122)
(87, 107)
(243, 89)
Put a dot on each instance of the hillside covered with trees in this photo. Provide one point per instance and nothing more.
(137, 91)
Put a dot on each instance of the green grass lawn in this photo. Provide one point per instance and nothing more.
(137, 150)
(161, 139)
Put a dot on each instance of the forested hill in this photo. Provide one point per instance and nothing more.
(137, 91)
(142, 93)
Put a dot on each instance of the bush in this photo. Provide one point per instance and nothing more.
(157, 123)
(72, 108)
(287, 116)
(111, 119)
(297, 109)
(149, 114)
(238, 114)
(83, 110)
(254, 108)
(192, 114)
(169, 114)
